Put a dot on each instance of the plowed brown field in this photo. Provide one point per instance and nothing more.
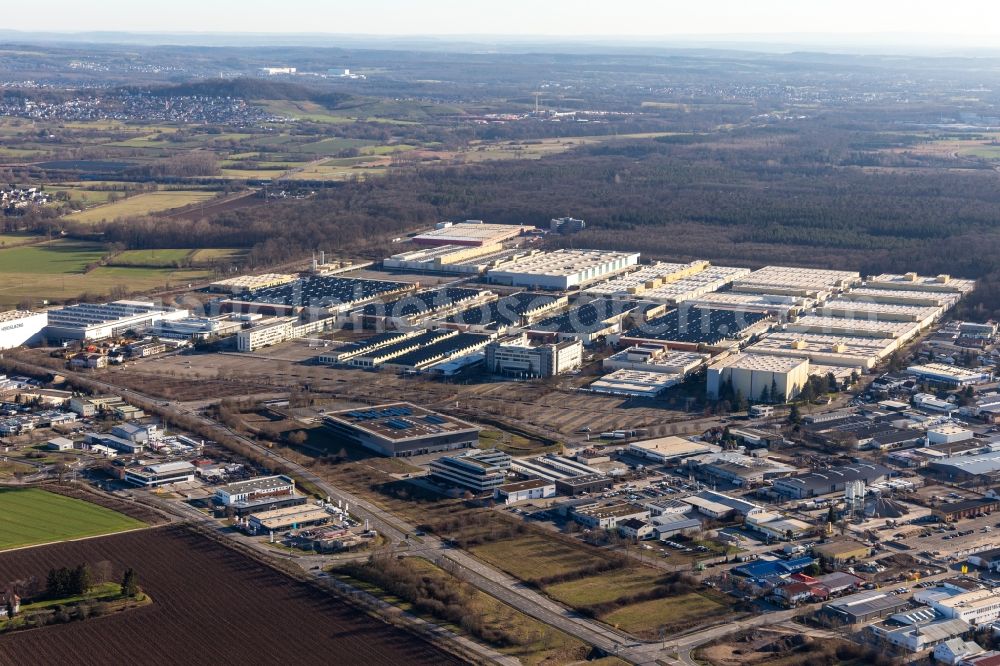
(210, 606)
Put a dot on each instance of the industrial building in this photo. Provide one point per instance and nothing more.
(271, 331)
(153, 476)
(96, 321)
(977, 607)
(515, 356)
(862, 328)
(20, 327)
(401, 429)
(864, 606)
(635, 383)
(826, 481)
(413, 309)
(564, 269)
(813, 283)
(360, 347)
(691, 328)
(655, 358)
(697, 280)
(608, 516)
(983, 467)
(245, 283)
(645, 278)
(770, 304)
(470, 233)
(519, 491)
(318, 293)
(820, 349)
(841, 551)
(669, 449)
(949, 376)
(952, 511)
(759, 377)
(478, 471)
(198, 328)
(445, 349)
(438, 259)
(922, 315)
(586, 322)
(566, 225)
(914, 282)
(258, 494)
(375, 351)
(516, 310)
(936, 299)
(289, 517)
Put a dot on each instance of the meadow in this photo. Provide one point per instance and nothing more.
(33, 516)
(142, 204)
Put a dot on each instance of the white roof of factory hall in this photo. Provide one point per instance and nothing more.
(803, 277)
(14, 315)
(761, 362)
(472, 231)
(920, 282)
(567, 262)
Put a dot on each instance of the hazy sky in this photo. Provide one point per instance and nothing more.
(980, 18)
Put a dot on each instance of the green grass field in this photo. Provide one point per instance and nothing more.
(12, 239)
(142, 204)
(534, 556)
(57, 270)
(604, 587)
(150, 257)
(645, 618)
(32, 516)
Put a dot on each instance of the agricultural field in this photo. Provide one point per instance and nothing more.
(219, 607)
(13, 240)
(164, 257)
(142, 204)
(58, 270)
(33, 516)
(672, 614)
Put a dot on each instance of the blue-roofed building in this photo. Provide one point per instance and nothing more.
(763, 569)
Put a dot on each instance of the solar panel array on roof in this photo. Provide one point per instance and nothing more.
(697, 325)
(585, 318)
(441, 349)
(323, 291)
(372, 414)
(506, 311)
(421, 302)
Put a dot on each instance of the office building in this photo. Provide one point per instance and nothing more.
(401, 429)
(478, 471)
(515, 356)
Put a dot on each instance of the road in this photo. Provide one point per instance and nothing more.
(483, 576)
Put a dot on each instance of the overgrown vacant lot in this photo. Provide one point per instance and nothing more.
(31, 516)
(211, 605)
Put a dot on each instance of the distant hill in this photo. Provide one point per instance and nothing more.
(254, 89)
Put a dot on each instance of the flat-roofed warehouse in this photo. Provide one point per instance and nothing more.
(447, 258)
(836, 350)
(19, 327)
(795, 281)
(451, 347)
(289, 517)
(647, 277)
(919, 314)
(470, 232)
(912, 281)
(694, 285)
(690, 327)
(655, 358)
(755, 376)
(862, 328)
(564, 269)
(243, 283)
(333, 294)
(401, 429)
(938, 299)
(96, 321)
(776, 304)
(833, 480)
(669, 449)
(635, 383)
(949, 375)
